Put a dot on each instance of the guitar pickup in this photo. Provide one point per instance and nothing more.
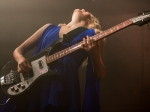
(41, 66)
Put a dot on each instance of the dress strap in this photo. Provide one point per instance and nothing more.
(72, 34)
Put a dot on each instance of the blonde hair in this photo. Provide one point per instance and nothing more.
(94, 23)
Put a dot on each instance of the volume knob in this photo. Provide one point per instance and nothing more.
(22, 86)
(16, 89)
(12, 88)
(18, 85)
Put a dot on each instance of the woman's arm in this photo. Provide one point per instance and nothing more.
(95, 51)
(30, 43)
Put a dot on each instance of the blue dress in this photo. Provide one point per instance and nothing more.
(63, 93)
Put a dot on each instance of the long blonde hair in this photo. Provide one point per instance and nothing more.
(94, 23)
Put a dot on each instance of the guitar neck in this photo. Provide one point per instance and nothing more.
(113, 30)
(96, 37)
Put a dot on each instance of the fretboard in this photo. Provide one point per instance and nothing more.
(96, 37)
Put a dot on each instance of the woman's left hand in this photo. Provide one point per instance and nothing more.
(90, 45)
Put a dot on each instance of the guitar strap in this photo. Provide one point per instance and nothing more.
(72, 34)
(68, 37)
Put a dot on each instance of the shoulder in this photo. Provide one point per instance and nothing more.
(46, 25)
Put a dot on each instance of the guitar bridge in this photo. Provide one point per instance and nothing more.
(9, 78)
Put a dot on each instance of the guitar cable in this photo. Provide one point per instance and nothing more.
(5, 102)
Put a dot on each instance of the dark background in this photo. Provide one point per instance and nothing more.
(126, 86)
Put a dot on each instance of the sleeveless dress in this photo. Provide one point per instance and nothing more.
(63, 92)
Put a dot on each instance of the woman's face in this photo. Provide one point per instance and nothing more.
(81, 14)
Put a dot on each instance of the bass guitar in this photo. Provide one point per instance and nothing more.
(14, 83)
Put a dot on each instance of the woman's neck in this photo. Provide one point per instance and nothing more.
(75, 24)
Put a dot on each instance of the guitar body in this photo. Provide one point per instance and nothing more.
(14, 83)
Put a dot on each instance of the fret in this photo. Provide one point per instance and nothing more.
(60, 53)
(111, 30)
(52, 57)
(47, 60)
(124, 25)
(55, 56)
(68, 50)
(65, 51)
(105, 33)
(117, 28)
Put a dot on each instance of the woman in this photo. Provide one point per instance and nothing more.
(63, 93)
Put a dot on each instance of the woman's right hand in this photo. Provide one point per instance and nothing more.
(23, 65)
(27, 45)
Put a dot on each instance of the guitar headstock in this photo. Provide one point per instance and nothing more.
(142, 18)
